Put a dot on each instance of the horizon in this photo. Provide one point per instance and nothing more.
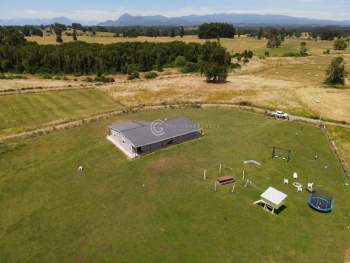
(109, 10)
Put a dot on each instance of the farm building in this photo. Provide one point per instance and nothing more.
(136, 138)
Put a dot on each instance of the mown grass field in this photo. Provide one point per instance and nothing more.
(233, 45)
(21, 112)
(159, 208)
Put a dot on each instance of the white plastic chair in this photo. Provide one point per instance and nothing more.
(295, 176)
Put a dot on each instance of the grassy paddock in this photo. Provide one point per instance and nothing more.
(158, 208)
(21, 112)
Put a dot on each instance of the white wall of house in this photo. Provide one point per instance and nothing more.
(122, 143)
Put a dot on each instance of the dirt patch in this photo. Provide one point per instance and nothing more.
(347, 256)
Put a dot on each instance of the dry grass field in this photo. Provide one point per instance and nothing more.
(236, 45)
(291, 84)
(33, 82)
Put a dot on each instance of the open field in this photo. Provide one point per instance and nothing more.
(292, 84)
(52, 213)
(29, 111)
(234, 45)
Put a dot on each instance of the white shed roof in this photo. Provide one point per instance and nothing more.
(274, 196)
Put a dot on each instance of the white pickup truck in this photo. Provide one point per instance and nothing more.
(280, 115)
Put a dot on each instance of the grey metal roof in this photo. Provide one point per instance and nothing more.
(128, 125)
(146, 133)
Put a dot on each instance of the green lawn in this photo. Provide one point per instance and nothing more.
(159, 208)
(31, 110)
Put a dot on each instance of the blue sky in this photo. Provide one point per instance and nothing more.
(107, 9)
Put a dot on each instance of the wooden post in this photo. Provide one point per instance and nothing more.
(233, 187)
(205, 175)
(220, 168)
(243, 175)
(215, 186)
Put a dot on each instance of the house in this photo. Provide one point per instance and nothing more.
(136, 138)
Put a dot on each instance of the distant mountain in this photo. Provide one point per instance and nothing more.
(34, 22)
(191, 20)
(129, 20)
(237, 19)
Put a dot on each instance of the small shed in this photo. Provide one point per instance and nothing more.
(272, 199)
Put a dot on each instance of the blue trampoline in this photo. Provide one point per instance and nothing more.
(321, 202)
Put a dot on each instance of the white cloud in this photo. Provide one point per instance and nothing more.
(85, 15)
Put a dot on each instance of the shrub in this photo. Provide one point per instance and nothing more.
(245, 103)
(132, 68)
(267, 53)
(340, 44)
(238, 56)
(274, 42)
(190, 67)
(104, 79)
(47, 76)
(151, 75)
(134, 75)
(3, 76)
(303, 49)
(291, 54)
(180, 61)
(236, 66)
(336, 72)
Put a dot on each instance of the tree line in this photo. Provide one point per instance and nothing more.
(83, 58)
(19, 56)
(216, 30)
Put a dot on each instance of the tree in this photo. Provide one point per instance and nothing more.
(214, 62)
(77, 26)
(11, 37)
(336, 72)
(172, 32)
(275, 38)
(59, 39)
(303, 49)
(340, 44)
(274, 42)
(58, 31)
(260, 33)
(75, 35)
(182, 32)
